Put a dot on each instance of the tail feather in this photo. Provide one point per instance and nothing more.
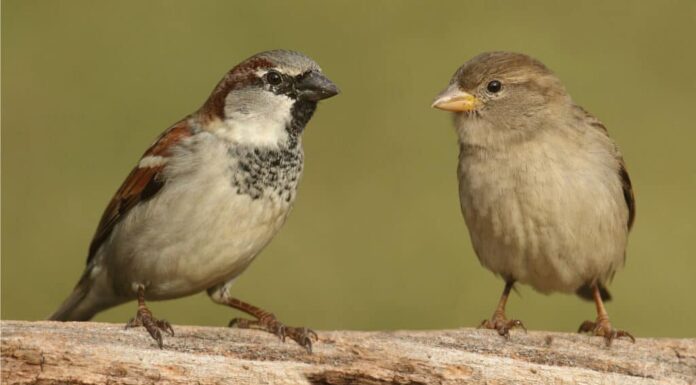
(90, 296)
(585, 292)
(73, 308)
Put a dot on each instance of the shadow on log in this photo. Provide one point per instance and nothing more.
(98, 353)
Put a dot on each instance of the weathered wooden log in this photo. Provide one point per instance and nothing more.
(98, 353)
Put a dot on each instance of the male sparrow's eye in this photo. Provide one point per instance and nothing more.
(273, 78)
(494, 86)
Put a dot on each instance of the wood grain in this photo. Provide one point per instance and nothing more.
(99, 353)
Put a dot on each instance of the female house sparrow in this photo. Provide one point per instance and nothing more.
(543, 188)
(206, 198)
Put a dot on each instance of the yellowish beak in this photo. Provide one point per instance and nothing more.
(455, 100)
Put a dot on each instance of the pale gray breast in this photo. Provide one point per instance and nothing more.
(220, 206)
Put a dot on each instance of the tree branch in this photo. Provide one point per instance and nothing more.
(98, 353)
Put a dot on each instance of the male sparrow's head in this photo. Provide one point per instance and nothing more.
(510, 90)
(268, 98)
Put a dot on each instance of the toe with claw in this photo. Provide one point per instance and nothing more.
(301, 335)
(602, 328)
(498, 321)
(153, 325)
(143, 317)
(502, 325)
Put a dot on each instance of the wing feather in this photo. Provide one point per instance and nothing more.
(629, 197)
(143, 183)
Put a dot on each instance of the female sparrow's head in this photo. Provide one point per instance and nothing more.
(506, 88)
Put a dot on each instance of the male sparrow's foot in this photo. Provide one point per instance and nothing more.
(270, 323)
(153, 325)
(502, 325)
(602, 328)
(264, 320)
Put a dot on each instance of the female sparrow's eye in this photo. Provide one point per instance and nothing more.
(273, 78)
(494, 86)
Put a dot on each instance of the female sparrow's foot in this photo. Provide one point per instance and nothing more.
(270, 323)
(498, 321)
(502, 325)
(143, 317)
(602, 328)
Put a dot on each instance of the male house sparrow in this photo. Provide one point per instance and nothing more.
(206, 198)
(543, 188)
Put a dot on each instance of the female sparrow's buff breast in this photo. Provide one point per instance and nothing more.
(220, 206)
(548, 212)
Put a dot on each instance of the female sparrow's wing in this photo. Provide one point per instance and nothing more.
(628, 193)
(622, 172)
(141, 184)
(586, 291)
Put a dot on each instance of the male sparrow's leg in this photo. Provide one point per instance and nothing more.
(144, 317)
(264, 320)
(268, 322)
(602, 326)
(498, 321)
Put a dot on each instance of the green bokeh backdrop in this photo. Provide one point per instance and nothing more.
(376, 240)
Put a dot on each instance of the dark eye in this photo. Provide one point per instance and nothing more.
(494, 86)
(274, 78)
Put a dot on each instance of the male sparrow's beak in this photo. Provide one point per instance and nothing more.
(314, 86)
(455, 100)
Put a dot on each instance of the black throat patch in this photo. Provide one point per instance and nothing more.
(302, 111)
(272, 173)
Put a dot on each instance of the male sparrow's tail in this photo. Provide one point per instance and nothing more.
(84, 302)
(73, 308)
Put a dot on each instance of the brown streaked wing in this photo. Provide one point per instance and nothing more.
(141, 184)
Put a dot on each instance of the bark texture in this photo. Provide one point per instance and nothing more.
(98, 353)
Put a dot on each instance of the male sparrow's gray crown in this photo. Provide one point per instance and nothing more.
(259, 78)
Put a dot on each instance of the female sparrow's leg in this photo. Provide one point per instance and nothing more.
(602, 326)
(498, 321)
(264, 320)
(144, 318)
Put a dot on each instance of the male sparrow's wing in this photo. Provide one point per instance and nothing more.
(622, 172)
(141, 184)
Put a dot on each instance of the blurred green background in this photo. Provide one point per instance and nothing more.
(376, 240)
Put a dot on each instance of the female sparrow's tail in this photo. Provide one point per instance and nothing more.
(585, 292)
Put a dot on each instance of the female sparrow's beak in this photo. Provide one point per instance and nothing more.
(455, 100)
(314, 86)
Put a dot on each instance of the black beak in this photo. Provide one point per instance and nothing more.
(314, 86)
